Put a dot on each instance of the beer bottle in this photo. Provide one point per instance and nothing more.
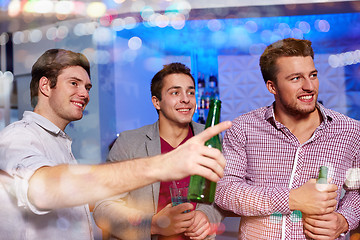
(200, 189)
(321, 182)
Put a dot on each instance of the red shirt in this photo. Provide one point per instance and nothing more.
(164, 194)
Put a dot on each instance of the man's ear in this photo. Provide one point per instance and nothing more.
(44, 86)
(156, 102)
(271, 86)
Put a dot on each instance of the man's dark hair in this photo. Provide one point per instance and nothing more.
(289, 47)
(50, 65)
(157, 80)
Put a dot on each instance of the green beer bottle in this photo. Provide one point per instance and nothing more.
(200, 189)
(321, 182)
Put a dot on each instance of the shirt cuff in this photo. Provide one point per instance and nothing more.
(21, 187)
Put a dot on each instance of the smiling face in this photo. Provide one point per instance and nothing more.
(68, 99)
(178, 102)
(296, 86)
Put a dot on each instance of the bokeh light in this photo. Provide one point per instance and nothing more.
(322, 26)
(102, 36)
(4, 38)
(96, 9)
(214, 25)
(35, 35)
(135, 43)
(251, 26)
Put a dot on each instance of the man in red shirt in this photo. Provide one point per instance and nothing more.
(147, 213)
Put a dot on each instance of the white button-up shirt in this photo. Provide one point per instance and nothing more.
(25, 146)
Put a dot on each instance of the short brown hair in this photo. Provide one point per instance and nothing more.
(50, 65)
(157, 80)
(289, 47)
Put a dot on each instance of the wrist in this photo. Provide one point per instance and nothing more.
(293, 200)
(154, 227)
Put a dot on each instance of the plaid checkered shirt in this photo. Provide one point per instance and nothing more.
(265, 160)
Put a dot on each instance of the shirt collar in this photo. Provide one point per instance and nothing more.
(326, 114)
(42, 122)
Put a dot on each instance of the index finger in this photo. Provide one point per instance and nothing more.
(212, 131)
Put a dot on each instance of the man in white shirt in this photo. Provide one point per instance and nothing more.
(44, 193)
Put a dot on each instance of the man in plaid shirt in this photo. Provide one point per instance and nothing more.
(274, 153)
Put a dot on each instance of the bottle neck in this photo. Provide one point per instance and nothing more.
(214, 113)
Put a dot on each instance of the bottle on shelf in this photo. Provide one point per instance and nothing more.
(201, 189)
(201, 118)
(213, 84)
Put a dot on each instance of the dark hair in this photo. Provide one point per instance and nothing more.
(50, 65)
(289, 47)
(157, 80)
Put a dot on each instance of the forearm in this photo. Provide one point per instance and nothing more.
(71, 185)
(243, 199)
(349, 208)
(122, 221)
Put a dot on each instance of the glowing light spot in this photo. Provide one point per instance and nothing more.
(89, 54)
(102, 36)
(9, 76)
(35, 35)
(79, 8)
(322, 25)
(90, 28)
(118, 24)
(214, 25)
(14, 8)
(284, 29)
(266, 36)
(106, 20)
(30, 6)
(4, 38)
(304, 26)
(79, 29)
(146, 12)
(62, 32)
(130, 22)
(64, 7)
(162, 21)
(137, 6)
(43, 6)
(177, 21)
(18, 37)
(251, 26)
(134, 43)
(334, 61)
(184, 7)
(51, 33)
(96, 9)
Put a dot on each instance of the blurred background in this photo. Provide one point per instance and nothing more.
(128, 41)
